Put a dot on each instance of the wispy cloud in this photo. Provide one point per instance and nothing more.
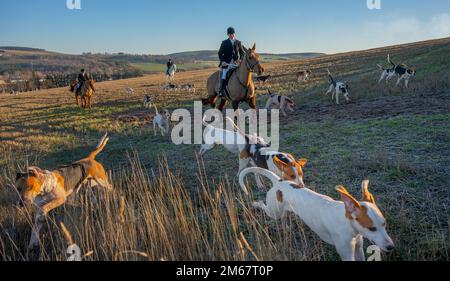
(407, 29)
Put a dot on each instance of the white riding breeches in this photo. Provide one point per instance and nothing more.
(225, 70)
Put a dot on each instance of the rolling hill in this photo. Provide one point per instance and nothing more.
(211, 55)
(27, 59)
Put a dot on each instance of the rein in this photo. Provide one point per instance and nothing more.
(250, 71)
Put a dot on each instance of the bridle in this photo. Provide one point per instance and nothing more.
(250, 68)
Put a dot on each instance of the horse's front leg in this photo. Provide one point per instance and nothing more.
(252, 102)
(253, 106)
(212, 101)
(223, 104)
(235, 105)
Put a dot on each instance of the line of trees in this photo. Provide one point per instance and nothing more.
(26, 81)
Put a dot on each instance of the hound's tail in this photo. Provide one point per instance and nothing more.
(206, 123)
(156, 108)
(209, 127)
(255, 170)
(380, 67)
(236, 127)
(331, 77)
(101, 145)
(389, 60)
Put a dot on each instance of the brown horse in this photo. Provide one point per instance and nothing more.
(240, 85)
(83, 96)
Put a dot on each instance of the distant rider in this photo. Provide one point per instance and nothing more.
(230, 54)
(169, 66)
(82, 77)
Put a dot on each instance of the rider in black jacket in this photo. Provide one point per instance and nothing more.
(169, 66)
(82, 77)
(230, 53)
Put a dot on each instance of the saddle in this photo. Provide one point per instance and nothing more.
(227, 79)
(83, 88)
(229, 73)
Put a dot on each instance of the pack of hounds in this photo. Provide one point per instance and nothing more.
(339, 88)
(342, 223)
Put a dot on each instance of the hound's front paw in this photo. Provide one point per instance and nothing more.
(258, 205)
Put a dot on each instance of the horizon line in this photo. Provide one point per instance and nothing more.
(188, 51)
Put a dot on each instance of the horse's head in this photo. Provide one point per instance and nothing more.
(72, 85)
(252, 60)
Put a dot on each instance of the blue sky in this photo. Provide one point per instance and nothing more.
(162, 27)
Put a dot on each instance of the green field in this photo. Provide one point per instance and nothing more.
(158, 67)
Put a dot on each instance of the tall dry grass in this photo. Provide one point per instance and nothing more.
(156, 217)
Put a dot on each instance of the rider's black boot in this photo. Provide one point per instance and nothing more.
(222, 88)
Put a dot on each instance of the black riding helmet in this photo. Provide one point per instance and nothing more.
(82, 70)
(230, 31)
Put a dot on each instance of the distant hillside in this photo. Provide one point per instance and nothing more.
(25, 64)
(209, 55)
(21, 49)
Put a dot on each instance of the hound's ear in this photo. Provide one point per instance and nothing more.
(37, 172)
(254, 47)
(302, 162)
(367, 196)
(351, 204)
(279, 163)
